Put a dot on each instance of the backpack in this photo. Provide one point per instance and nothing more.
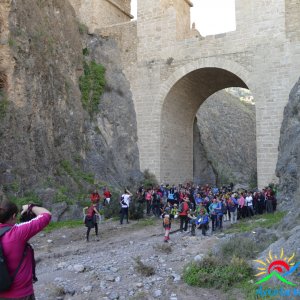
(6, 279)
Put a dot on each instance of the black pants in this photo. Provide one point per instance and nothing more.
(89, 229)
(220, 221)
(184, 220)
(148, 207)
(250, 211)
(124, 212)
(204, 228)
(214, 222)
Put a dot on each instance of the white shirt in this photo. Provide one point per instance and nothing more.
(126, 200)
(249, 200)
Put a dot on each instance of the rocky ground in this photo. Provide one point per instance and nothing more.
(70, 268)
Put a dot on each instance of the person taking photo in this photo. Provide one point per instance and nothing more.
(17, 252)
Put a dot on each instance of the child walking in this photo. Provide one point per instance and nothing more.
(166, 225)
(90, 219)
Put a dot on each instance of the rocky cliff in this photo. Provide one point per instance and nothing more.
(288, 165)
(47, 138)
(288, 171)
(227, 133)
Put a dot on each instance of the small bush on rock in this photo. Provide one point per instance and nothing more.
(142, 268)
(164, 248)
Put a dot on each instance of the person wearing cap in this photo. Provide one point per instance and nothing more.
(183, 214)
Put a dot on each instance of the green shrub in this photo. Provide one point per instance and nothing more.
(240, 247)
(213, 272)
(61, 196)
(136, 209)
(149, 180)
(113, 209)
(91, 85)
(85, 52)
(82, 28)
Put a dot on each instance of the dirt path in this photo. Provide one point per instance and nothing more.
(70, 268)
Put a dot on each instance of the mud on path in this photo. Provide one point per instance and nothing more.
(70, 268)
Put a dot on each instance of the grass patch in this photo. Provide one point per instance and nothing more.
(63, 224)
(82, 28)
(263, 221)
(146, 222)
(142, 268)
(213, 272)
(91, 85)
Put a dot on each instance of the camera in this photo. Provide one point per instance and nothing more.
(29, 214)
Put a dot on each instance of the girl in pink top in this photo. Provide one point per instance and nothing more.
(13, 244)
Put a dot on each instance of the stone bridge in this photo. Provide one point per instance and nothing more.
(173, 70)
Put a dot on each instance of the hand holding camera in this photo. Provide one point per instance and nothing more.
(27, 214)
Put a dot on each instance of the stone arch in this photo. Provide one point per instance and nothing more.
(210, 62)
(180, 98)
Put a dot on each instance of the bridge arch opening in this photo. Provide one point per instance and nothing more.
(179, 109)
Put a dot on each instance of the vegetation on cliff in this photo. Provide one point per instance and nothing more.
(92, 84)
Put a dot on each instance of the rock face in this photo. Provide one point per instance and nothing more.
(112, 136)
(203, 171)
(227, 133)
(288, 165)
(44, 129)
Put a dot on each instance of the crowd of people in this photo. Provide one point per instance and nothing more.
(199, 207)
(202, 206)
(195, 207)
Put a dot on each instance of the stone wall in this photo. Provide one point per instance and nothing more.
(97, 14)
(292, 11)
(125, 36)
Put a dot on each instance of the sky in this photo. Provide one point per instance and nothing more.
(210, 16)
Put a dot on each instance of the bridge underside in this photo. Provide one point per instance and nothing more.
(178, 113)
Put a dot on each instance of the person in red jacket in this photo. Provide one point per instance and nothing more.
(107, 196)
(95, 198)
(14, 241)
(183, 214)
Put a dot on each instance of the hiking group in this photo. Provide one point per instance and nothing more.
(199, 207)
(194, 206)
